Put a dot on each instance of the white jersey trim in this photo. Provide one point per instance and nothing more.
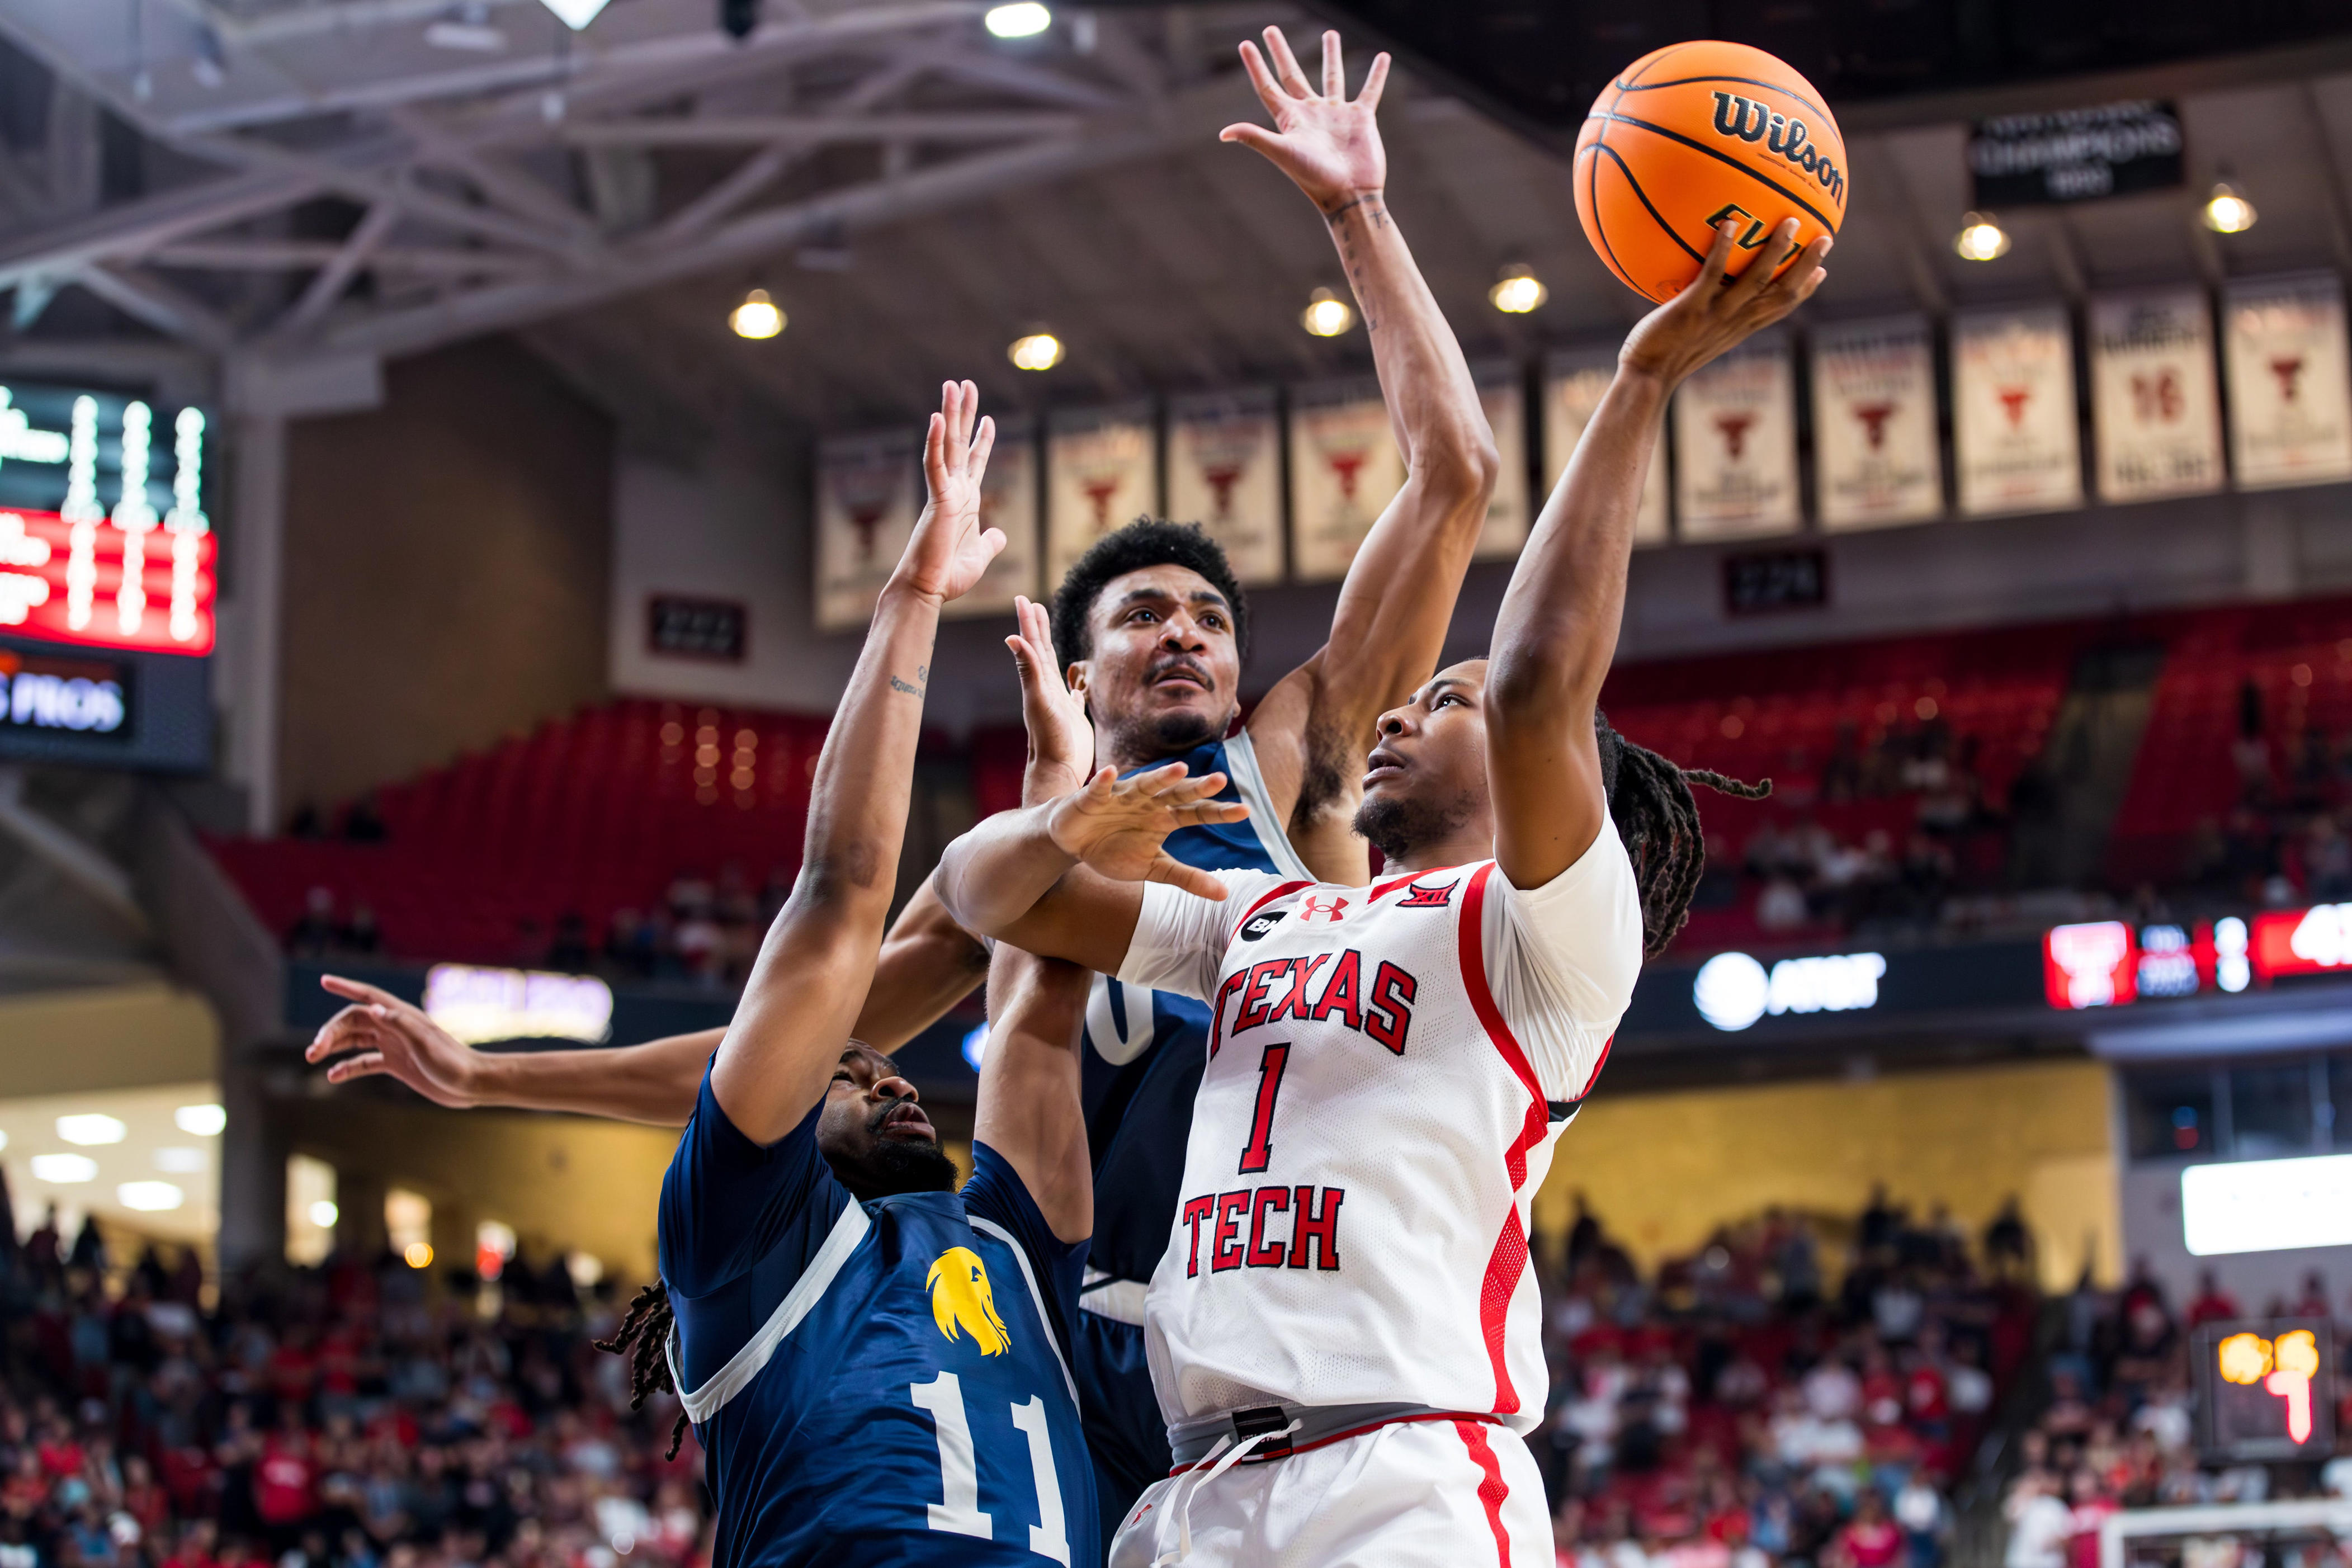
(1029, 1276)
(730, 1380)
(1241, 753)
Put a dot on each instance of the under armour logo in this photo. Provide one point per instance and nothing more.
(1429, 898)
(1330, 912)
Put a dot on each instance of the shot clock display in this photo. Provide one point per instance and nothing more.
(2266, 1389)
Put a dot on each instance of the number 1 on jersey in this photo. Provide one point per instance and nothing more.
(1260, 1148)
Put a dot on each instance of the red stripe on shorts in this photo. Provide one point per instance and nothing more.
(1492, 1487)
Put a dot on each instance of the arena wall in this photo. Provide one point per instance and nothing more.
(563, 1183)
(1662, 1171)
(447, 559)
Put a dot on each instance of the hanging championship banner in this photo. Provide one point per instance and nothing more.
(868, 491)
(1101, 473)
(2154, 405)
(2013, 418)
(2290, 411)
(1736, 445)
(1574, 383)
(1008, 499)
(1224, 472)
(1345, 468)
(1503, 392)
(1876, 455)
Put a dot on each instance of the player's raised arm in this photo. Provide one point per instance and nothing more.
(814, 968)
(1557, 631)
(1399, 595)
(1031, 1110)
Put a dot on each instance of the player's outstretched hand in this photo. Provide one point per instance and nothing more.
(1061, 739)
(1713, 316)
(1116, 825)
(381, 1034)
(949, 549)
(1329, 146)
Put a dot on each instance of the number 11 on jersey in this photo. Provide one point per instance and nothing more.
(959, 1511)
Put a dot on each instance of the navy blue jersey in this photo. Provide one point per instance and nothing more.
(1148, 1047)
(874, 1383)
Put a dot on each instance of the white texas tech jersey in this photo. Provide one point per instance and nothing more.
(1389, 1068)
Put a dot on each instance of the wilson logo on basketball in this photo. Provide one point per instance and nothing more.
(1783, 134)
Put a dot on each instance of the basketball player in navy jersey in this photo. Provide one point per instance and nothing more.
(877, 1366)
(1155, 630)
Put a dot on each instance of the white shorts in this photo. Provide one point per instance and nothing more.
(1412, 1494)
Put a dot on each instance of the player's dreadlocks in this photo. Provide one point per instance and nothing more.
(1650, 800)
(643, 1338)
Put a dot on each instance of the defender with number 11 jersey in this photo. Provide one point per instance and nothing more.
(883, 1382)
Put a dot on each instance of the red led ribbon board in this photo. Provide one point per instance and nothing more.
(2316, 940)
(171, 612)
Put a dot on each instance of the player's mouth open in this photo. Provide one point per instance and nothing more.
(906, 1120)
(1181, 677)
(1384, 764)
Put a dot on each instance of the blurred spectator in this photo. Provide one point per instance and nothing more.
(347, 1416)
(314, 933)
(1728, 1413)
(364, 823)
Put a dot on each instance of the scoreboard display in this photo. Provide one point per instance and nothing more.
(107, 579)
(2266, 1389)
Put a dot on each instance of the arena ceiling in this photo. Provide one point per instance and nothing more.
(292, 187)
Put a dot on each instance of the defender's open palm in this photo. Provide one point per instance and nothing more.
(1329, 146)
(379, 1033)
(1711, 316)
(1116, 826)
(1060, 738)
(951, 549)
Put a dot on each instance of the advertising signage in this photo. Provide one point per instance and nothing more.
(104, 538)
(1736, 993)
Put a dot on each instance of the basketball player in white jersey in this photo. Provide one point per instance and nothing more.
(1346, 1307)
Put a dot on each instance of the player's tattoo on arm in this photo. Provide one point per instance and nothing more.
(922, 674)
(1376, 215)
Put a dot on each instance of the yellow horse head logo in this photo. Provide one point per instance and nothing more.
(961, 1299)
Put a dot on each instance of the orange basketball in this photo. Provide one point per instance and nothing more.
(1691, 134)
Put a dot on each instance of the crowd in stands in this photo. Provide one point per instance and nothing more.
(2119, 1430)
(1878, 834)
(1750, 1405)
(702, 932)
(345, 1417)
(1773, 1399)
(2286, 838)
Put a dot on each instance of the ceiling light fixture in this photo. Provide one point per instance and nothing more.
(476, 36)
(1980, 238)
(92, 1129)
(2227, 212)
(574, 14)
(1025, 20)
(1036, 351)
(324, 1213)
(203, 1120)
(150, 1197)
(64, 1170)
(1518, 290)
(1326, 315)
(757, 317)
